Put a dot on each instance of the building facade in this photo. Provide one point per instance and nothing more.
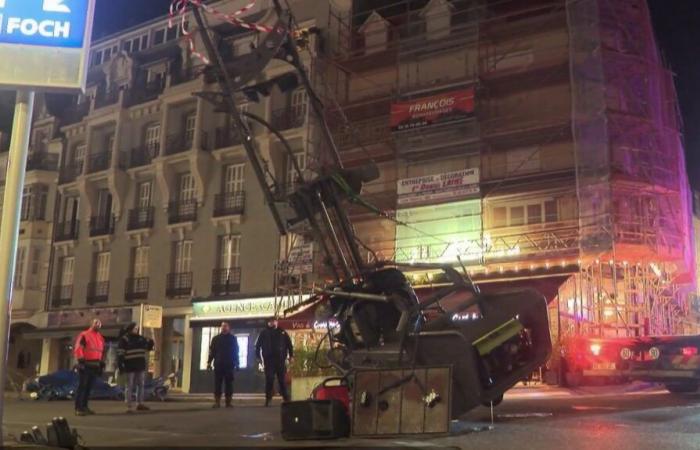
(537, 144)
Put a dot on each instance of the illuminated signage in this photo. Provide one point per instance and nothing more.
(248, 308)
(444, 186)
(448, 107)
(47, 42)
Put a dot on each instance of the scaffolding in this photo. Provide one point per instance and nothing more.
(578, 85)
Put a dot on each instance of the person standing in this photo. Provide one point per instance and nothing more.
(223, 352)
(272, 349)
(88, 351)
(132, 355)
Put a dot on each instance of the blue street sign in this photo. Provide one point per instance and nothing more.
(48, 23)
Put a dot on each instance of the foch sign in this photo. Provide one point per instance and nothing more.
(442, 108)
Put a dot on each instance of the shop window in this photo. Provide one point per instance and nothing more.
(517, 216)
(208, 334)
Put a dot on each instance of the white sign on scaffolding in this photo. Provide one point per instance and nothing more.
(443, 186)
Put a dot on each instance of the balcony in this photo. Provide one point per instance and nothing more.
(101, 225)
(42, 161)
(178, 143)
(98, 292)
(182, 211)
(70, 172)
(183, 76)
(229, 204)
(285, 119)
(34, 212)
(106, 98)
(141, 156)
(136, 289)
(226, 137)
(98, 162)
(140, 218)
(67, 231)
(62, 296)
(178, 284)
(75, 113)
(145, 92)
(226, 281)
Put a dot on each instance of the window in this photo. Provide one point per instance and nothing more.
(159, 37)
(36, 260)
(190, 124)
(298, 103)
(208, 334)
(517, 216)
(135, 44)
(551, 211)
(143, 200)
(140, 262)
(70, 209)
(79, 154)
(26, 203)
(534, 214)
(500, 216)
(186, 191)
(34, 199)
(172, 33)
(233, 178)
(104, 203)
(183, 257)
(109, 142)
(19, 266)
(96, 58)
(67, 266)
(102, 267)
(229, 251)
(292, 176)
(152, 139)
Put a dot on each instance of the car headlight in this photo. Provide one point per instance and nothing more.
(625, 353)
(654, 353)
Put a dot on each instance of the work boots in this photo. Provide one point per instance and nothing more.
(229, 403)
(217, 403)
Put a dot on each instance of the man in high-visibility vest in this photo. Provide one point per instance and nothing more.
(88, 351)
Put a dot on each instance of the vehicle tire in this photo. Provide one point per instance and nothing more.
(683, 387)
(496, 401)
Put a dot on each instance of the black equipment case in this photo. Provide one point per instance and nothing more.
(314, 419)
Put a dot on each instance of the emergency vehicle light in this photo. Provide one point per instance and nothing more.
(596, 348)
(689, 351)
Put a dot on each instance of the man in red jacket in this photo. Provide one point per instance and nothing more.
(88, 351)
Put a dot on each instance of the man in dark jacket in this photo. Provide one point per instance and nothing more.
(223, 351)
(132, 355)
(272, 349)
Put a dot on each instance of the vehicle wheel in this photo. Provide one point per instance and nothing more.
(496, 401)
(683, 387)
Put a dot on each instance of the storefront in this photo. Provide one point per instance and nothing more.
(247, 317)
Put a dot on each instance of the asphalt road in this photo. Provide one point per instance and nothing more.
(620, 418)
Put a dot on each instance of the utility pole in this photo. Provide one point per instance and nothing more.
(9, 226)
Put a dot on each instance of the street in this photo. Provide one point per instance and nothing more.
(632, 417)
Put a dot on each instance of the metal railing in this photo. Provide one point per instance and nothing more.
(229, 203)
(136, 288)
(142, 156)
(97, 292)
(42, 161)
(286, 118)
(145, 92)
(226, 281)
(67, 231)
(101, 225)
(226, 137)
(178, 143)
(140, 218)
(70, 172)
(182, 211)
(62, 296)
(178, 284)
(99, 161)
(106, 98)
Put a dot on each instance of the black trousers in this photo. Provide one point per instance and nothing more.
(278, 371)
(86, 380)
(223, 375)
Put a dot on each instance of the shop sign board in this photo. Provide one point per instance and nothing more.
(246, 308)
(444, 186)
(47, 42)
(447, 107)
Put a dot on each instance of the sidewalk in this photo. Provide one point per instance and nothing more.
(238, 399)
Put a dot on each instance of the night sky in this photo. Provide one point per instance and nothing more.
(676, 22)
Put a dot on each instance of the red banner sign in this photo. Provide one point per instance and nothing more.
(443, 108)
